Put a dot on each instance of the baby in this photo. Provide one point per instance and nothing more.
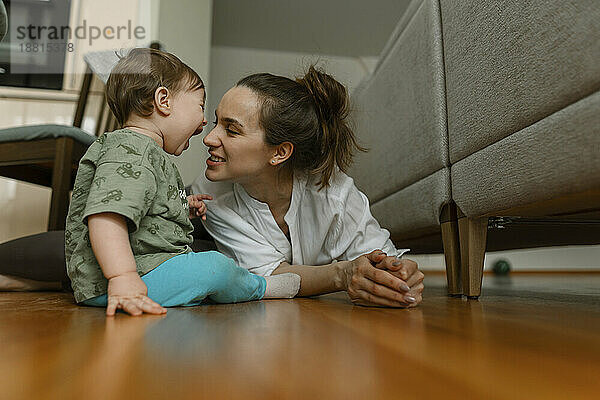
(128, 230)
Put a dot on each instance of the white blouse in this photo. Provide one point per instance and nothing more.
(334, 223)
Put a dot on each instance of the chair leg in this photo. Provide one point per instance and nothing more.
(61, 183)
(473, 237)
(449, 225)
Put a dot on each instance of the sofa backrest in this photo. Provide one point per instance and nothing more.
(510, 64)
(400, 110)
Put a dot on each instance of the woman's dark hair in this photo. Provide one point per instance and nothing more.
(310, 113)
(131, 85)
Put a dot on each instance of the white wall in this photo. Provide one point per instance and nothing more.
(230, 64)
(565, 258)
(185, 29)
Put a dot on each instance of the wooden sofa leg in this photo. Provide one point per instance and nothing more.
(449, 225)
(473, 237)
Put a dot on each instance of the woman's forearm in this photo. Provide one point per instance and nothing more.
(320, 279)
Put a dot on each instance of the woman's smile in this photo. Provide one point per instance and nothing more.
(214, 160)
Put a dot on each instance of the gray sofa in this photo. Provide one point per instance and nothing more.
(481, 109)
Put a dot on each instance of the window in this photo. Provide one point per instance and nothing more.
(29, 57)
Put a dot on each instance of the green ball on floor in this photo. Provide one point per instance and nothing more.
(501, 267)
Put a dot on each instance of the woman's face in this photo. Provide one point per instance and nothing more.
(236, 144)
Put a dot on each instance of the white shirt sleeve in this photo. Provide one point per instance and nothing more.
(358, 231)
(239, 240)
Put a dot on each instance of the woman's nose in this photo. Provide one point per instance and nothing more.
(211, 140)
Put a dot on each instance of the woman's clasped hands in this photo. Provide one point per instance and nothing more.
(376, 279)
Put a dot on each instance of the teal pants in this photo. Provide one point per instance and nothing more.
(188, 279)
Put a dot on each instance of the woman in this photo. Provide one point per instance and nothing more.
(283, 203)
(285, 145)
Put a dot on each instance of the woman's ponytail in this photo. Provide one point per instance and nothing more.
(311, 113)
(337, 141)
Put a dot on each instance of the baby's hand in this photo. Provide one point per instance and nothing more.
(197, 206)
(129, 293)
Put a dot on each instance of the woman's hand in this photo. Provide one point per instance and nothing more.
(197, 206)
(371, 286)
(129, 293)
(408, 271)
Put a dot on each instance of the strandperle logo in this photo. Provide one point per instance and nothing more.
(91, 32)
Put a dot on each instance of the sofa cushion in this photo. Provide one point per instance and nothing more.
(512, 63)
(416, 207)
(400, 109)
(555, 156)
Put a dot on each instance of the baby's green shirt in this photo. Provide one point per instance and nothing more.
(127, 173)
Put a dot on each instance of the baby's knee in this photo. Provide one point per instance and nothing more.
(219, 262)
(217, 266)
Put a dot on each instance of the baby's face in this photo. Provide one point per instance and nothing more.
(185, 121)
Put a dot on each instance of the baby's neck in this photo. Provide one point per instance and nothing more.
(146, 127)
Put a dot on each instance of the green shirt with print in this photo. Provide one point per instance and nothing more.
(127, 173)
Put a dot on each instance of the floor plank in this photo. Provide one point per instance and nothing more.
(529, 336)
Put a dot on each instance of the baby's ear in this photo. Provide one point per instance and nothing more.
(162, 100)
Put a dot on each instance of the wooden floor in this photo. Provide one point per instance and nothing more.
(528, 337)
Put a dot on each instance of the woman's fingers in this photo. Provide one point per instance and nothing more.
(370, 300)
(417, 293)
(403, 265)
(403, 269)
(375, 256)
(383, 277)
(417, 289)
(368, 285)
(415, 279)
(390, 263)
(380, 291)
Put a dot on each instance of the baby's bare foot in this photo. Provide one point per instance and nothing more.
(16, 284)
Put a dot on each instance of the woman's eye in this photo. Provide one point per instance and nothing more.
(229, 131)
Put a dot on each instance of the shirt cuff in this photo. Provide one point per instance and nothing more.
(401, 252)
(267, 269)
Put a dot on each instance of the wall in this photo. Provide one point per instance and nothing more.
(185, 28)
(229, 64)
(565, 258)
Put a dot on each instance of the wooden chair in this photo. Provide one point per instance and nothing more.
(49, 155)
